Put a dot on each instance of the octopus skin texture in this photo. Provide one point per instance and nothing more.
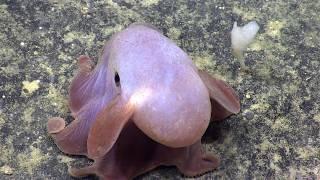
(144, 105)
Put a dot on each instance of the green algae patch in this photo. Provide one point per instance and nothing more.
(109, 31)
(232, 149)
(7, 170)
(64, 57)
(273, 163)
(265, 146)
(61, 4)
(174, 33)
(260, 107)
(28, 87)
(303, 173)
(86, 39)
(258, 43)
(277, 157)
(203, 62)
(274, 28)
(247, 14)
(46, 68)
(2, 119)
(27, 114)
(32, 159)
(264, 70)
(7, 154)
(317, 117)
(57, 100)
(312, 38)
(263, 42)
(206, 62)
(306, 152)
(149, 2)
(291, 88)
(126, 15)
(281, 124)
(243, 168)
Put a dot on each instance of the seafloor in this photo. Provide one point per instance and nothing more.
(276, 135)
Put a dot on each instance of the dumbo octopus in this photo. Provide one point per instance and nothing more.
(144, 105)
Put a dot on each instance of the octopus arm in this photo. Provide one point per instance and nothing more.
(107, 127)
(70, 139)
(134, 154)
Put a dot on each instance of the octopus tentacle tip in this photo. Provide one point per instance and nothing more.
(55, 125)
(85, 63)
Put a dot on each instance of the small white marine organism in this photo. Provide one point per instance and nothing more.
(241, 37)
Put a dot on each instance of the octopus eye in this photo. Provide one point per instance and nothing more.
(117, 79)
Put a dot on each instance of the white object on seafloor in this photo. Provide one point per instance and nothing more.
(241, 37)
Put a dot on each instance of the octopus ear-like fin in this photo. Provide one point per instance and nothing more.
(224, 99)
(107, 127)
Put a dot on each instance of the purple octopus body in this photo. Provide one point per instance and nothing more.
(144, 105)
